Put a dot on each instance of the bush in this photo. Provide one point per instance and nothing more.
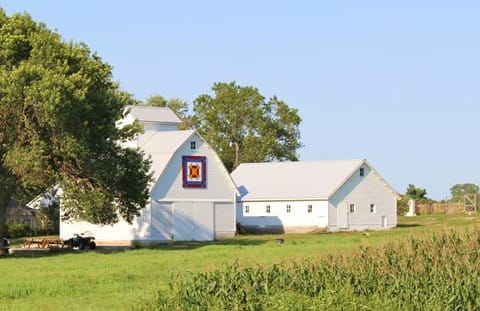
(18, 230)
(402, 206)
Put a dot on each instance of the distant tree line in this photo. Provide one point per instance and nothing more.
(457, 194)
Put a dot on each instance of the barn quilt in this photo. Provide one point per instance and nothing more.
(194, 171)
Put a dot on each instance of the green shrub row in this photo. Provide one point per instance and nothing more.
(18, 230)
(24, 230)
(440, 272)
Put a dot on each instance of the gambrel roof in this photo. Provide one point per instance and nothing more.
(162, 146)
(295, 180)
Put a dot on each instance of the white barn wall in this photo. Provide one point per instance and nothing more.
(161, 220)
(159, 127)
(219, 188)
(193, 221)
(225, 224)
(278, 220)
(363, 191)
(121, 232)
(206, 213)
(205, 209)
(149, 125)
(219, 193)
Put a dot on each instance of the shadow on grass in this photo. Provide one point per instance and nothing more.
(41, 252)
(190, 245)
(197, 244)
(400, 225)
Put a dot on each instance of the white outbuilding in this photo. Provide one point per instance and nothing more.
(298, 197)
(192, 196)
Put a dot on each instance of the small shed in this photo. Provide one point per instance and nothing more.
(301, 197)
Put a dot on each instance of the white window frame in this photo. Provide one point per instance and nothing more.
(193, 145)
(309, 208)
(289, 208)
(350, 205)
(268, 209)
(362, 172)
(247, 209)
(374, 211)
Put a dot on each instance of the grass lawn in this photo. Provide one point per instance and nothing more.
(92, 280)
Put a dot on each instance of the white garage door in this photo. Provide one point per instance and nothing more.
(193, 221)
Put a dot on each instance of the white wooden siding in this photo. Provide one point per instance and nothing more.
(193, 221)
(158, 127)
(219, 188)
(278, 216)
(162, 221)
(121, 231)
(224, 217)
(363, 191)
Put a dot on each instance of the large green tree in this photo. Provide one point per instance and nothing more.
(418, 194)
(242, 126)
(458, 191)
(58, 108)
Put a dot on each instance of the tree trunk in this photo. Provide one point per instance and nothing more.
(3, 220)
(237, 155)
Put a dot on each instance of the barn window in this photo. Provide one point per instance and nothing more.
(352, 208)
(373, 208)
(268, 209)
(362, 171)
(309, 208)
(247, 209)
(289, 208)
(193, 145)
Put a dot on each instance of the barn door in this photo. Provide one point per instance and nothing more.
(162, 218)
(193, 221)
(204, 217)
(183, 225)
(342, 216)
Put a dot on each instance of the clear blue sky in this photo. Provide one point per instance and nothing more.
(398, 84)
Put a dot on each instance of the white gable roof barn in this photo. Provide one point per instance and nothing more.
(192, 196)
(312, 196)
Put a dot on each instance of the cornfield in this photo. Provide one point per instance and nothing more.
(434, 272)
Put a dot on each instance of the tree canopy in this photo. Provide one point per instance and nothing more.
(180, 107)
(418, 194)
(458, 191)
(58, 108)
(242, 126)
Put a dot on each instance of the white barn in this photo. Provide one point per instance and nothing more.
(192, 196)
(299, 197)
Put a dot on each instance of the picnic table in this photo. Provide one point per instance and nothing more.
(43, 243)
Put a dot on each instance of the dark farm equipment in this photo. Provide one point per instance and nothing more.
(81, 241)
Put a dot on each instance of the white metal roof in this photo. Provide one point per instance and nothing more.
(293, 180)
(154, 114)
